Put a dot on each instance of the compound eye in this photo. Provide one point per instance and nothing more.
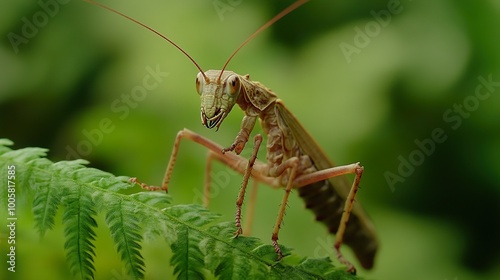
(233, 85)
(199, 83)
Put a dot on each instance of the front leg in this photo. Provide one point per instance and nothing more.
(247, 125)
(183, 134)
(235, 162)
(246, 177)
(230, 159)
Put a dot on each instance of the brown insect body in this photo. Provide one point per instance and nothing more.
(286, 138)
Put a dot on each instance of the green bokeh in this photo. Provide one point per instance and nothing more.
(413, 63)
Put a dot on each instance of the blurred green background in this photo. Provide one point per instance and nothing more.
(408, 88)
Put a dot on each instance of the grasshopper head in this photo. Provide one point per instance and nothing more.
(218, 95)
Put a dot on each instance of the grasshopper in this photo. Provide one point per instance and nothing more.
(294, 159)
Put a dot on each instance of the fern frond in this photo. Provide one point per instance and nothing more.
(45, 205)
(228, 259)
(79, 222)
(4, 145)
(32, 156)
(125, 230)
(188, 260)
(322, 267)
(158, 199)
(200, 246)
(24, 155)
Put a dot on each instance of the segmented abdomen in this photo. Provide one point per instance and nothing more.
(327, 205)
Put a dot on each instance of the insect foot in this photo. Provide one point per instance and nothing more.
(144, 186)
(236, 147)
(237, 223)
(277, 248)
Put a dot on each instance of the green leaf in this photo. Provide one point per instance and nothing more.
(79, 222)
(125, 230)
(45, 204)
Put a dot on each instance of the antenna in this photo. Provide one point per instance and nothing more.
(283, 13)
(152, 30)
